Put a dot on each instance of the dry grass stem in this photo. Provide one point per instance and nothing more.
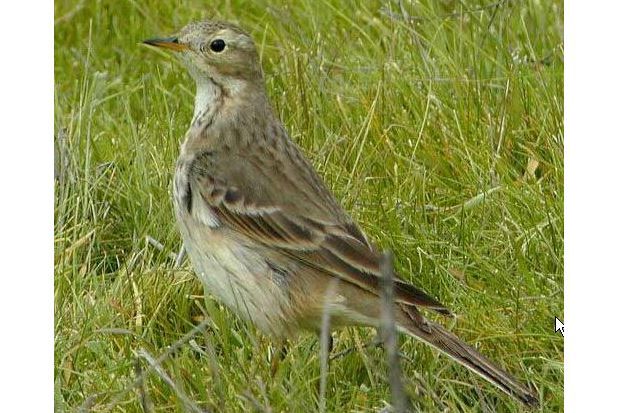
(389, 334)
(156, 367)
(163, 357)
(325, 344)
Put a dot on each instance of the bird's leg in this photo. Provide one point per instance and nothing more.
(180, 257)
(375, 342)
(280, 352)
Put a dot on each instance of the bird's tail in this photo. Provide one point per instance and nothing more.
(446, 342)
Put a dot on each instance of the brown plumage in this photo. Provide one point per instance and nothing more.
(263, 232)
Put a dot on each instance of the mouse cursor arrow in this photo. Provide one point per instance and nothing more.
(559, 326)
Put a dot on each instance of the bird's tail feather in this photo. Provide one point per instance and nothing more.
(446, 342)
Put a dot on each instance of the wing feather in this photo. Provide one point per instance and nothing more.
(340, 250)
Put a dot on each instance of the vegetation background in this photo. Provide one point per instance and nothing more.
(439, 124)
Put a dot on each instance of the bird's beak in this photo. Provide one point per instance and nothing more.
(167, 43)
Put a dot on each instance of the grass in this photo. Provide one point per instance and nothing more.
(442, 134)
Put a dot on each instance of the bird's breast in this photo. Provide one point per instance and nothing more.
(183, 196)
(230, 268)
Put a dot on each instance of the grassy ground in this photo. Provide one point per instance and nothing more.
(442, 134)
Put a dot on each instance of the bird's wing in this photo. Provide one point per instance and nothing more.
(300, 218)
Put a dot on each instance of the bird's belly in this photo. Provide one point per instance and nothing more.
(236, 275)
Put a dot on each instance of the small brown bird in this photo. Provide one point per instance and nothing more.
(262, 230)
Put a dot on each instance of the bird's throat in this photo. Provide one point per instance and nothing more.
(208, 94)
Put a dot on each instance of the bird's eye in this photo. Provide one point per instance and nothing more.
(217, 45)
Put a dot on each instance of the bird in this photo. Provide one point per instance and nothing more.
(262, 230)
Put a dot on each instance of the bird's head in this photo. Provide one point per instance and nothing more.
(216, 52)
